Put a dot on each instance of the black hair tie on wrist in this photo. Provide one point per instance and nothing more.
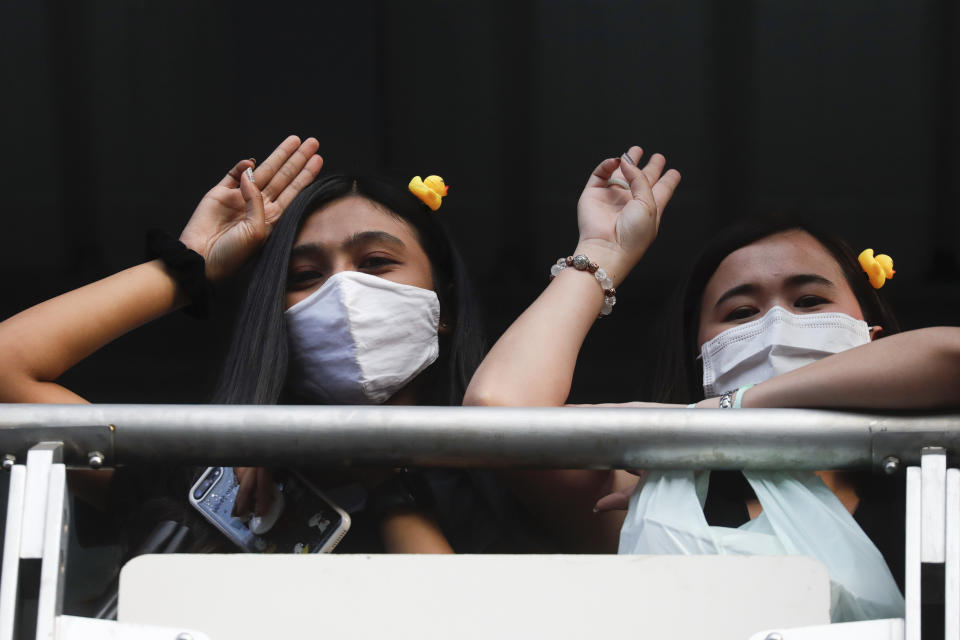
(402, 490)
(186, 266)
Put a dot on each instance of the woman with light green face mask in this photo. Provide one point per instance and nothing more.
(773, 315)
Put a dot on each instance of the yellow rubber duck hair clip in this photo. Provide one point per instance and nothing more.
(431, 191)
(878, 268)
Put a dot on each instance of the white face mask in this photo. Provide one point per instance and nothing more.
(359, 339)
(778, 342)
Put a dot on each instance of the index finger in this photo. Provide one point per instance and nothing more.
(265, 172)
(290, 169)
(307, 175)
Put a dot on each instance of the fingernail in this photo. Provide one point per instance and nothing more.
(595, 510)
(249, 173)
(626, 158)
(253, 160)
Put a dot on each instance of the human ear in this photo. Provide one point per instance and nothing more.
(875, 332)
(444, 328)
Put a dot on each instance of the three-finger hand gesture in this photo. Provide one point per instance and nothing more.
(235, 217)
(620, 209)
(254, 493)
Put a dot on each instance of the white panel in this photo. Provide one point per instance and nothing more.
(933, 465)
(11, 550)
(891, 629)
(913, 551)
(474, 597)
(71, 628)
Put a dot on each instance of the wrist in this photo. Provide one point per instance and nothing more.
(178, 299)
(401, 493)
(609, 256)
(186, 267)
(755, 398)
(581, 262)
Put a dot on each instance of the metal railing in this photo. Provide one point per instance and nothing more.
(37, 442)
(476, 436)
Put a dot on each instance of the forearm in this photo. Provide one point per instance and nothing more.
(409, 531)
(532, 363)
(41, 343)
(911, 370)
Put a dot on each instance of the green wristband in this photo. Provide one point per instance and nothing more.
(738, 400)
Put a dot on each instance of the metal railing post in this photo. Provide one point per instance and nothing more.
(933, 537)
(10, 578)
(952, 569)
(37, 522)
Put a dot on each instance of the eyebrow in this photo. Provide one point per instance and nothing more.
(808, 278)
(358, 239)
(366, 237)
(797, 280)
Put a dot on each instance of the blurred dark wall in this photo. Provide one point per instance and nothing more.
(118, 115)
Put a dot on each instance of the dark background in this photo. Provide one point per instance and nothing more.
(118, 115)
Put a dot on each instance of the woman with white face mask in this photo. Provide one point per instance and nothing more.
(776, 306)
(357, 297)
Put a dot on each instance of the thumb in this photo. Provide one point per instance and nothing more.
(612, 502)
(252, 199)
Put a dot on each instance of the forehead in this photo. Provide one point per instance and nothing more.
(769, 260)
(341, 219)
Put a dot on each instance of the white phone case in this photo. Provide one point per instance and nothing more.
(310, 522)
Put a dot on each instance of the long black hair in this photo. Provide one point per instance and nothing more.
(679, 374)
(255, 370)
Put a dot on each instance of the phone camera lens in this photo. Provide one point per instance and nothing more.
(205, 485)
(202, 489)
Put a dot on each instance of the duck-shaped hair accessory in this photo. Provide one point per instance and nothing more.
(431, 191)
(878, 268)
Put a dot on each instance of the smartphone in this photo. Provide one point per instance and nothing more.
(309, 522)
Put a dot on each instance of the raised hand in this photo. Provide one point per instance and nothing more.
(620, 209)
(235, 217)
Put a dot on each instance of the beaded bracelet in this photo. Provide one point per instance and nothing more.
(581, 262)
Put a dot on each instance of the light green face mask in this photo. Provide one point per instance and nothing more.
(775, 344)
